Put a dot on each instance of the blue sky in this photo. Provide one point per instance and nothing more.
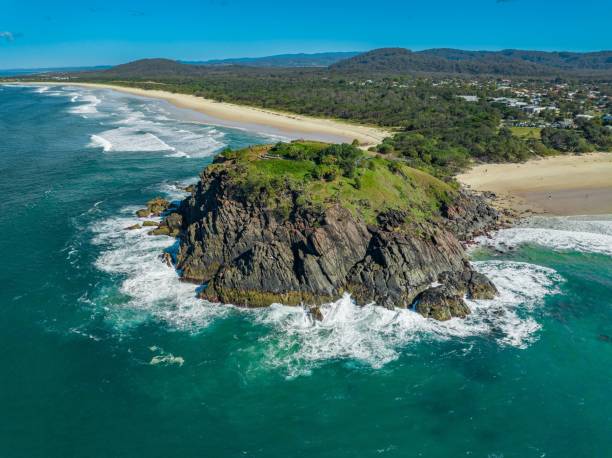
(70, 33)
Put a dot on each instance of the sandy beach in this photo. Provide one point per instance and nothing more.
(258, 119)
(560, 185)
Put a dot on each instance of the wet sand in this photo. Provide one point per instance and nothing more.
(559, 185)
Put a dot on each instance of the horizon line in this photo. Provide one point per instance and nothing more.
(204, 60)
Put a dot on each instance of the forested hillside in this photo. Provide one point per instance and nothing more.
(454, 61)
(323, 59)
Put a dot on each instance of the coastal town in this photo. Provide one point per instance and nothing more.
(538, 104)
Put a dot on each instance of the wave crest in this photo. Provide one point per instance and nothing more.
(560, 234)
(375, 335)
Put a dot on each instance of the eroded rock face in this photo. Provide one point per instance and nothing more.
(480, 287)
(155, 207)
(249, 255)
(445, 300)
(441, 303)
(469, 215)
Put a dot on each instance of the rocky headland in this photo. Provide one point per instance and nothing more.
(305, 222)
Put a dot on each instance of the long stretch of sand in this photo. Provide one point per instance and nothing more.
(258, 119)
(559, 185)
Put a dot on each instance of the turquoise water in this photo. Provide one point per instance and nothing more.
(104, 352)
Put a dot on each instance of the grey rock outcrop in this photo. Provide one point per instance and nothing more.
(246, 254)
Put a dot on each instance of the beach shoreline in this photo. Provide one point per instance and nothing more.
(564, 185)
(231, 115)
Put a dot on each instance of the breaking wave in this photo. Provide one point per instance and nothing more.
(87, 104)
(132, 124)
(375, 335)
(97, 141)
(292, 340)
(581, 234)
(150, 288)
(128, 139)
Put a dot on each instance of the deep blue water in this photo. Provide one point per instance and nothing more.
(105, 353)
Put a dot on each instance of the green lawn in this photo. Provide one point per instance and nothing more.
(377, 183)
(527, 132)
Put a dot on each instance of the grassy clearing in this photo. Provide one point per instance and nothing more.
(297, 170)
(367, 188)
(527, 132)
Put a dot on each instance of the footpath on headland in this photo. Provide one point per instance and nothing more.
(559, 185)
(257, 119)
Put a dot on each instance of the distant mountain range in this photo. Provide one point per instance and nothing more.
(454, 61)
(323, 59)
(152, 68)
(379, 61)
(396, 61)
(38, 71)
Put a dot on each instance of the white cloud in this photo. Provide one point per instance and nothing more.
(8, 36)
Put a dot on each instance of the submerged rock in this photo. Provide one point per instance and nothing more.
(480, 287)
(441, 303)
(173, 222)
(155, 207)
(315, 313)
(167, 259)
(161, 230)
(131, 228)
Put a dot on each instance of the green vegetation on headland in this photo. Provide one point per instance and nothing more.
(316, 175)
(305, 222)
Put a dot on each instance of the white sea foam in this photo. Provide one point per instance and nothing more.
(166, 359)
(139, 132)
(128, 139)
(294, 341)
(152, 289)
(178, 154)
(559, 240)
(136, 126)
(595, 224)
(88, 104)
(100, 142)
(175, 191)
(375, 335)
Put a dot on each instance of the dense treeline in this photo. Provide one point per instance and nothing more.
(455, 61)
(589, 136)
(436, 129)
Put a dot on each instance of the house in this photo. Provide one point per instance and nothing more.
(565, 124)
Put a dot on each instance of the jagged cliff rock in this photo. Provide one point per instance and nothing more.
(468, 216)
(249, 254)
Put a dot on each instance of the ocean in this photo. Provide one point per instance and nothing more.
(105, 353)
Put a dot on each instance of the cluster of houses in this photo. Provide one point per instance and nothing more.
(534, 100)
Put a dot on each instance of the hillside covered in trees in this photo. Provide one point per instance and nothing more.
(455, 61)
(393, 61)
